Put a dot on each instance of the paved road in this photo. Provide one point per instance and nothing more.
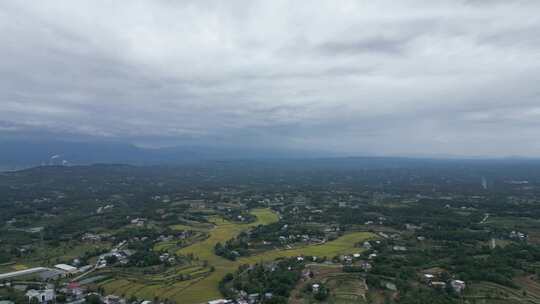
(483, 221)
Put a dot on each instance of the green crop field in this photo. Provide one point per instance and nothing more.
(342, 245)
(203, 289)
(195, 226)
(264, 217)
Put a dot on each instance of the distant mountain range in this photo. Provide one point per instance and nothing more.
(23, 154)
(16, 155)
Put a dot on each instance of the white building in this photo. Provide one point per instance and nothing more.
(138, 221)
(66, 268)
(112, 299)
(458, 285)
(399, 248)
(219, 301)
(43, 296)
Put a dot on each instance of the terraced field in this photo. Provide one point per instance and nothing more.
(204, 288)
(345, 288)
(488, 293)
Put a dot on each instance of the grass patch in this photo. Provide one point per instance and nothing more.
(18, 267)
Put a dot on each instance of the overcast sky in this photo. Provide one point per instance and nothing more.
(355, 77)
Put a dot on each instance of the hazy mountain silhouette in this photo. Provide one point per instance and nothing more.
(24, 154)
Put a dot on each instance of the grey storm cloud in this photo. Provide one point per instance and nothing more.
(357, 77)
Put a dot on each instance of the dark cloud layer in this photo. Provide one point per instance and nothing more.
(355, 77)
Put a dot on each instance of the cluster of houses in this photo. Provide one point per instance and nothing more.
(92, 237)
(46, 295)
(305, 238)
(74, 294)
(122, 257)
(518, 235)
(181, 235)
(433, 280)
(113, 299)
(244, 298)
(139, 222)
(300, 238)
(166, 257)
(380, 220)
